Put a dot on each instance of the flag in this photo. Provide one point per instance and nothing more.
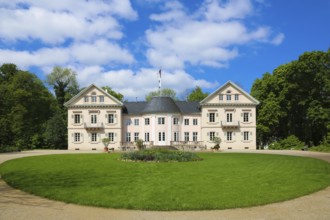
(160, 73)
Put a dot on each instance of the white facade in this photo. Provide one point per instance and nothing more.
(228, 113)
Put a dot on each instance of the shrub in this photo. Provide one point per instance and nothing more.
(160, 155)
(289, 143)
(139, 144)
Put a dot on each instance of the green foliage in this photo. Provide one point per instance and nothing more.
(139, 144)
(164, 92)
(117, 95)
(105, 141)
(64, 83)
(197, 94)
(55, 134)
(289, 143)
(25, 105)
(294, 100)
(160, 155)
(220, 181)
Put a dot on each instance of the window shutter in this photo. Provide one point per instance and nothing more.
(106, 115)
(242, 114)
(89, 138)
(114, 137)
(208, 133)
(115, 115)
(250, 114)
(242, 133)
(72, 139)
(234, 133)
(72, 116)
(217, 134)
(81, 137)
(216, 115)
(207, 115)
(225, 133)
(250, 133)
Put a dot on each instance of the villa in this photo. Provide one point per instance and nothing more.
(228, 113)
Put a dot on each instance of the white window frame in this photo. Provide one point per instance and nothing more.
(186, 121)
(211, 117)
(212, 135)
(186, 136)
(86, 99)
(229, 136)
(195, 121)
(111, 118)
(101, 97)
(93, 119)
(175, 121)
(246, 117)
(161, 136)
(161, 120)
(77, 137)
(76, 119)
(236, 97)
(176, 136)
(111, 136)
(136, 136)
(147, 121)
(228, 97)
(221, 97)
(94, 98)
(128, 137)
(246, 135)
(136, 122)
(195, 136)
(146, 136)
(229, 117)
(94, 137)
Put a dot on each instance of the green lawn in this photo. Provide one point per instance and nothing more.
(220, 181)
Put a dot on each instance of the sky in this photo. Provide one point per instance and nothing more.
(124, 43)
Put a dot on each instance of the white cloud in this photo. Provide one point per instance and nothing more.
(210, 36)
(101, 52)
(278, 39)
(139, 83)
(53, 22)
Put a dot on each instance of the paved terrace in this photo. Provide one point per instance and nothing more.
(15, 204)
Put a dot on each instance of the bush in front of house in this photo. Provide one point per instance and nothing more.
(160, 155)
(289, 143)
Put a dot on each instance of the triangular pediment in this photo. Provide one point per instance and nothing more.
(93, 95)
(235, 94)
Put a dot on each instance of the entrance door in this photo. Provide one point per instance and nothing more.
(161, 138)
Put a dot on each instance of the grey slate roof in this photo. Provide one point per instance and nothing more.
(161, 105)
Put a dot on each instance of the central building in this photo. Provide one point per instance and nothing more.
(228, 113)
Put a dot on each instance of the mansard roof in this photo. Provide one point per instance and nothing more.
(161, 105)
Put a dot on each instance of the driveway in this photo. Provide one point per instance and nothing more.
(15, 204)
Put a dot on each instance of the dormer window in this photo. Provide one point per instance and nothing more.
(101, 98)
(228, 97)
(220, 97)
(236, 97)
(86, 99)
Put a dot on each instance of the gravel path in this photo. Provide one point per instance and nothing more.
(15, 204)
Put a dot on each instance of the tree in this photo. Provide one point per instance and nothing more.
(55, 134)
(26, 105)
(164, 92)
(64, 83)
(197, 94)
(294, 100)
(117, 95)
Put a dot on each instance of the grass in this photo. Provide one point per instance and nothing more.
(219, 181)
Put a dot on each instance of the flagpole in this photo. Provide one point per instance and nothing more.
(160, 82)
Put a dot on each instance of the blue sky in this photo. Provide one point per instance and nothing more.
(123, 44)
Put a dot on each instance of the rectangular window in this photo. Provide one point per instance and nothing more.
(228, 97)
(93, 98)
(246, 135)
(236, 97)
(211, 117)
(128, 137)
(195, 121)
(161, 121)
(195, 136)
(161, 136)
(176, 136)
(246, 117)
(101, 98)
(229, 117)
(76, 137)
(94, 137)
(186, 121)
(86, 98)
(136, 136)
(146, 136)
(212, 135)
(147, 121)
(111, 118)
(220, 97)
(136, 122)
(186, 136)
(93, 119)
(175, 121)
(111, 136)
(229, 135)
(77, 119)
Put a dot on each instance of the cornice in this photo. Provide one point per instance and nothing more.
(93, 106)
(228, 104)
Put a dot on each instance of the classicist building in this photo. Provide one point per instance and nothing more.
(228, 113)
